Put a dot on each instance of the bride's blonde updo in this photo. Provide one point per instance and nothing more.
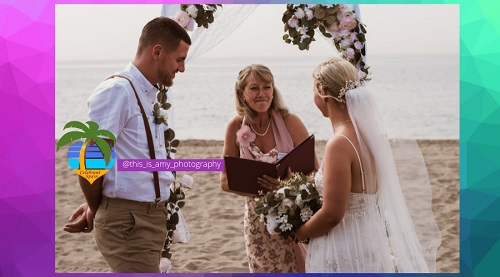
(335, 76)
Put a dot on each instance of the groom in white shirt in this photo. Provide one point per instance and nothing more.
(129, 206)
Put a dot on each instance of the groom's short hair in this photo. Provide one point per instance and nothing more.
(163, 31)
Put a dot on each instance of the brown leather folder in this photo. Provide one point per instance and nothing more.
(242, 174)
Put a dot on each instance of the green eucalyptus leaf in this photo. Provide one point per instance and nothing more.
(175, 143)
(319, 13)
(362, 27)
(169, 134)
(166, 106)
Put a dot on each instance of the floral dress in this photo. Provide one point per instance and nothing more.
(266, 253)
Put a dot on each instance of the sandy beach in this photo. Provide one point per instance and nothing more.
(215, 218)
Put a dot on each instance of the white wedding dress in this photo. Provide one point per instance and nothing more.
(382, 230)
(359, 243)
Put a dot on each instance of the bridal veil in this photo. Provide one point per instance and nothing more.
(405, 197)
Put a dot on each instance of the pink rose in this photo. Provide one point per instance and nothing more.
(182, 18)
(350, 53)
(354, 37)
(348, 23)
(293, 22)
(342, 7)
(358, 45)
(244, 136)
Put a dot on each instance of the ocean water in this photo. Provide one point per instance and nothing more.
(418, 96)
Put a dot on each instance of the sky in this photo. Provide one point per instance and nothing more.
(111, 32)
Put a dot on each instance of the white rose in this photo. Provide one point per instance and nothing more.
(293, 22)
(187, 181)
(287, 203)
(345, 43)
(176, 236)
(165, 265)
(300, 13)
(309, 13)
(271, 224)
(164, 114)
(192, 10)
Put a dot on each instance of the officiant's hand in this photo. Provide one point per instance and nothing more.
(85, 222)
(268, 182)
(271, 183)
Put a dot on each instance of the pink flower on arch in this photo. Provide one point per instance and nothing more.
(244, 136)
(348, 23)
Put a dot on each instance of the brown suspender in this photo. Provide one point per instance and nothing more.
(149, 136)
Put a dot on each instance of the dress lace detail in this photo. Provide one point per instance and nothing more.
(358, 243)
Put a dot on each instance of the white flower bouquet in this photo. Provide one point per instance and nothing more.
(286, 209)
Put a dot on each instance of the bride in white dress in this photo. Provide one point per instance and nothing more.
(364, 224)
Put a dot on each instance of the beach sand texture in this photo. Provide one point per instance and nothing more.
(215, 218)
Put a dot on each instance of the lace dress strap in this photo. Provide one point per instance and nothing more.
(359, 160)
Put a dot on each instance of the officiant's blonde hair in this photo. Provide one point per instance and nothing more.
(263, 74)
(332, 75)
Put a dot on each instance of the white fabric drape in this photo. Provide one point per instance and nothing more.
(227, 19)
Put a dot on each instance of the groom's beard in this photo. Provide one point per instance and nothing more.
(167, 79)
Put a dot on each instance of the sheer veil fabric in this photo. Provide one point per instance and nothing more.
(412, 231)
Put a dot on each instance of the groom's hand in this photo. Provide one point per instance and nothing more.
(85, 222)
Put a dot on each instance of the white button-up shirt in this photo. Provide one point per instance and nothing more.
(114, 107)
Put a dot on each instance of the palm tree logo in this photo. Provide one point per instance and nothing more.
(98, 154)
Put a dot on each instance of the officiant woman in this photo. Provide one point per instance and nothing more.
(263, 130)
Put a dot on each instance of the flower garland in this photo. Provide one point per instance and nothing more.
(203, 15)
(338, 22)
(177, 196)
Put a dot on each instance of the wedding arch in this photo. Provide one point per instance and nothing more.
(340, 23)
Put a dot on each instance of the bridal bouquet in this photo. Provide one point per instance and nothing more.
(286, 209)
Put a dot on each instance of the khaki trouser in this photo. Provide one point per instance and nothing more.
(131, 234)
